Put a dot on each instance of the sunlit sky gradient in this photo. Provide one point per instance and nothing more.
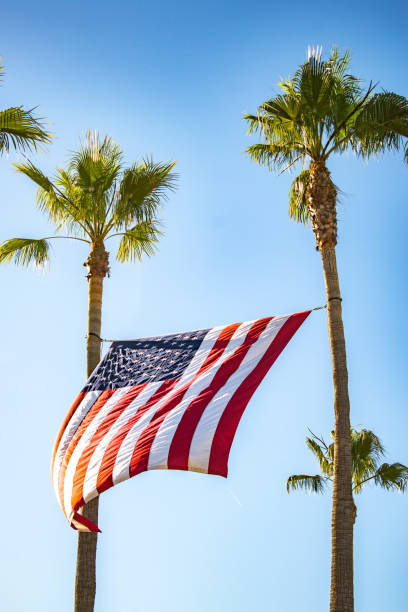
(173, 79)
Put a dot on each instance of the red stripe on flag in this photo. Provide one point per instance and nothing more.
(232, 414)
(180, 446)
(141, 453)
(104, 481)
(97, 406)
(85, 522)
(105, 425)
(173, 399)
(71, 411)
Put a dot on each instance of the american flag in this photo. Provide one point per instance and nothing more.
(167, 402)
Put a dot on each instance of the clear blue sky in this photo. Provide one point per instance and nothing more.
(174, 79)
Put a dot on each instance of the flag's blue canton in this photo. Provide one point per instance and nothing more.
(135, 362)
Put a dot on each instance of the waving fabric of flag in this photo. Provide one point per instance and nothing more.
(167, 402)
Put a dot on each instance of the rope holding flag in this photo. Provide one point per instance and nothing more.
(166, 402)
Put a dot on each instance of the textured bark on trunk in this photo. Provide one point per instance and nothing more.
(341, 592)
(322, 208)
(85, 582)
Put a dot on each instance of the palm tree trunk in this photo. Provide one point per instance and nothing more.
(341, 592)
(85, 581)
(322, 207)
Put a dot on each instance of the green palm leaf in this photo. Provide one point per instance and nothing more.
(274, 156)
(366, 451)
(392, 476)
(138, 241)
(312, 484)
(326, 465)
(298, 208)
(97, 163)
(381, 125)
(24, 251)
(35, 175)
(50, 199)
(21, 129)
(143, 187)
(365, 445)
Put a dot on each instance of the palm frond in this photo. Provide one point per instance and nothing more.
(366, 451)
(75, 216)
(314, 83)
(24, 251)
(279, 122)
(365, 444)
(298, 208)
(35, 175)
(325, 464)
(392, 476)
(313, 484)
(49, 200)
(97, 163)
(284, 109)
(274, 156)
(22, 130)
(92, 174)
(254, 123)
(138, 241)
(143, 188)
(381, 125)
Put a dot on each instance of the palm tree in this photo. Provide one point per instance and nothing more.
(20, 128)
(366, 453)
(321, 111)
(95, 199)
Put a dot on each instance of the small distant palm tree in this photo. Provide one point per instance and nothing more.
(20, 128)
(323, 111)
(95, 199)
(367, 452)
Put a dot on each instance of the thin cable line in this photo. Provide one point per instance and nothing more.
(99, 338)
(106, 340)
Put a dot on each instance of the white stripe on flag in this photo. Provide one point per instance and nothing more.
(91, 478)
(75, 421)
(124, 456)
(160, 449)
(200, 448)
(83, 443)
